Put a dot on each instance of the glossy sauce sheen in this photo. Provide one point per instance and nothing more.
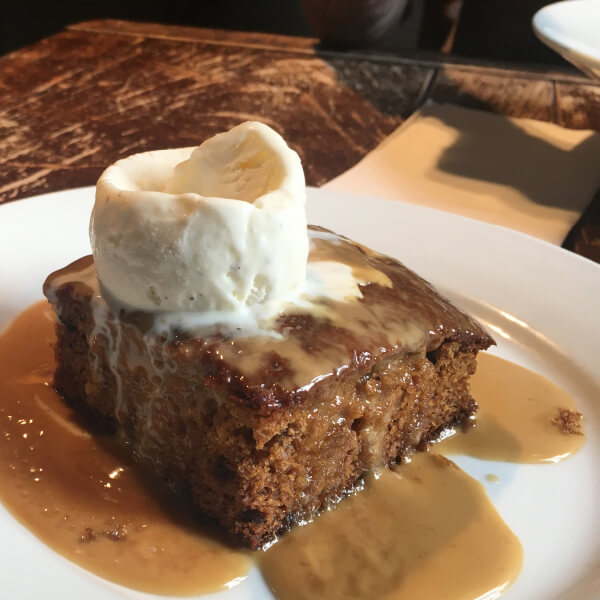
(517, 417)
(397, 312)
(83, 497)
(89, 502)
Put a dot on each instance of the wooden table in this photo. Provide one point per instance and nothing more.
(77, 101)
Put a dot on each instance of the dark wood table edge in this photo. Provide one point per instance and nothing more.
(311, 46)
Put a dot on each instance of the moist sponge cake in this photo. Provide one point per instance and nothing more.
(267, 430)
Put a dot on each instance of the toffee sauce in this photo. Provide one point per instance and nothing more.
(84, 496)
(87, 499)
(424, 530)
(518, 418)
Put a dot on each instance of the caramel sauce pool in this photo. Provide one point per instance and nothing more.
(519, 417)
(90, 502)
(84, 498)
(426, 530)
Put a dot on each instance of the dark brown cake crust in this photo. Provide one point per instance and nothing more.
(267, 432)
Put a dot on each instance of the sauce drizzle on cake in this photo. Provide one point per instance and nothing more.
(268, 430)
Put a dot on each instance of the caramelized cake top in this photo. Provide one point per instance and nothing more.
(393, 313)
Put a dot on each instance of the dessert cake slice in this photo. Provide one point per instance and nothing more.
(267, 430)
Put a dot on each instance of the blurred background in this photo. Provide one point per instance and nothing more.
(475, 29)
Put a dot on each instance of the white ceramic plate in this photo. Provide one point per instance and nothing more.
(572, 28)
(540, 301)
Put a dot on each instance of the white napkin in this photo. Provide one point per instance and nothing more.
(528, 175)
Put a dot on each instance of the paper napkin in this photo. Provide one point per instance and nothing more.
(528, 175)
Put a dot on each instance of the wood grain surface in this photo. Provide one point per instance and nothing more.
(512, 96)
(578, 106)
(584, 238)
(77, 101)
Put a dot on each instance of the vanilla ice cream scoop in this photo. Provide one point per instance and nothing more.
(221, 227)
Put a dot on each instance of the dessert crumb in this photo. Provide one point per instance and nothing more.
(469, 423)
(116, 533)
(88, 536)
(568, 421)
